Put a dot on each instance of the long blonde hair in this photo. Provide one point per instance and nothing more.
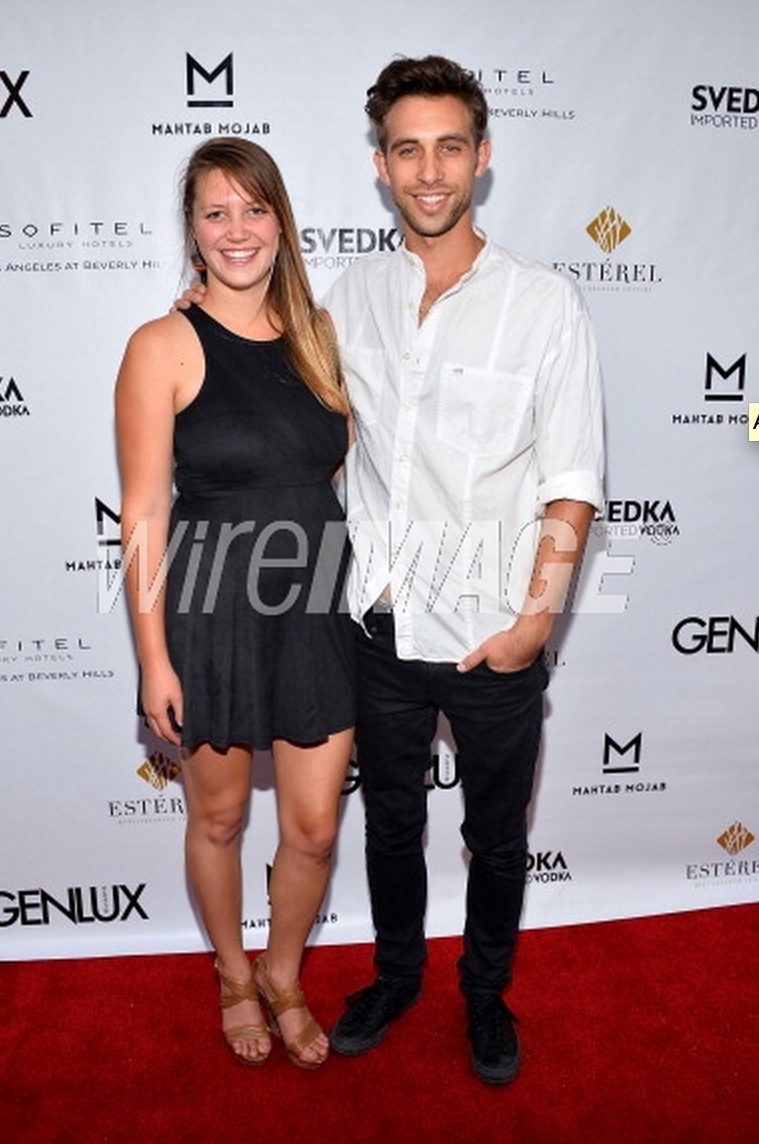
(308, 332)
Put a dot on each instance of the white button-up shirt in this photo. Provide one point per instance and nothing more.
(467, 425)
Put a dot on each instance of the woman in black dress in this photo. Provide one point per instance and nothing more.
(235, 582)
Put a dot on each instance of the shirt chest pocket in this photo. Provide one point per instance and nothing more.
(485, 412)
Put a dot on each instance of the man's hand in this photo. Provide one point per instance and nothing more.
(512, 650)
(564, 530)
(195, 292)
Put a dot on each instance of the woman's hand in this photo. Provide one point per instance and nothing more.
(162, 702)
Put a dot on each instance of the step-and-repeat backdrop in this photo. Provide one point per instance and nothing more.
(626, 145)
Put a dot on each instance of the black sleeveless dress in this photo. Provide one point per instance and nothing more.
(256, 623)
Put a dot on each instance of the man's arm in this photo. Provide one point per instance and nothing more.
(563, 533)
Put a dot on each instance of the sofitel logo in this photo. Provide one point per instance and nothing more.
(609, 230)
(193, 69)
(509, 91)
(80, 905)
(14, 99)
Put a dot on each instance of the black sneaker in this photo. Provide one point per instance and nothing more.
(495, 1047)
(364, 1023)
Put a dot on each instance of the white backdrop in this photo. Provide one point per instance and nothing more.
(625, 139)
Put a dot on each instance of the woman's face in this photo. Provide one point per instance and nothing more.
(237, 237)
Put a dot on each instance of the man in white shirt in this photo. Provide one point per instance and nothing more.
(475, 473)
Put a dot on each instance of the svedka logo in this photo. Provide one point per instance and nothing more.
(724, 106)
(12, 402)
(14, 97)
(80, 905)
(654, 519)
(225, 69)
(545, 866)
(334, 247)
(716, 635)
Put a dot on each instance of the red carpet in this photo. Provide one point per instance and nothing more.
(641, 1031)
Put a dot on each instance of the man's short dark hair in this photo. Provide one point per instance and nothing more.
(432, 75)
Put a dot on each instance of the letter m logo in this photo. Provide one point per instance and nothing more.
(223, 69)
(713, 367)
(614, 763)
(107, 534)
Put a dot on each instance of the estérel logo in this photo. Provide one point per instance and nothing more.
(159, 770)
(608, 229)
(736, 838)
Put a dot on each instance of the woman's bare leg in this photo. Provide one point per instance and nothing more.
(309, 781)
(218, 790)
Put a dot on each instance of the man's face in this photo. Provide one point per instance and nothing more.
(431, 161)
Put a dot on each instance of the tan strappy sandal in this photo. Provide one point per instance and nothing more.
(278, 1002)
(232, 993)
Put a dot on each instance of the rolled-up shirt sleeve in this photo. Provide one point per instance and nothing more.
(569, 409)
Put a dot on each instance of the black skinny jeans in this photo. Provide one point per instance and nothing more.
(496, 720)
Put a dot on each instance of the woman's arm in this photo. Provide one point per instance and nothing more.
(146, 399)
